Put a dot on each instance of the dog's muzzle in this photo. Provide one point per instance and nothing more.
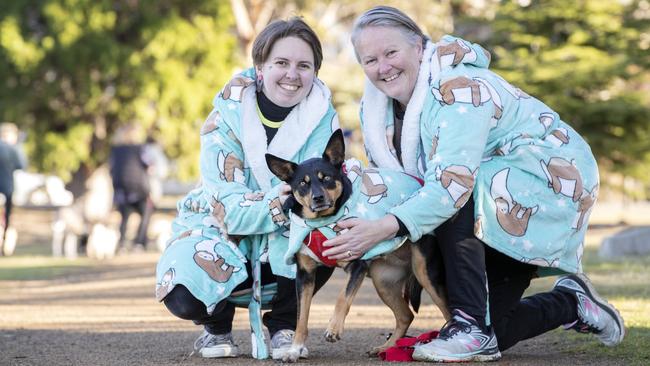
(321, 207)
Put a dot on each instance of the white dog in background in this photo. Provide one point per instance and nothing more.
(88, 216)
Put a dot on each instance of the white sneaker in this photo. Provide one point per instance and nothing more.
(460, 340)
(216, 345)
(281, 344)
(9, 246)
(595, 314)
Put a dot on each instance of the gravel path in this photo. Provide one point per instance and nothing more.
(106, 315)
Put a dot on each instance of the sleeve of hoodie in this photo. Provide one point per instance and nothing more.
(462, 129)
(225, 179)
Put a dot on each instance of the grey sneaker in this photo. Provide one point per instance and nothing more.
(595, 314)
(215, 345)
(281, 344)
(460, 340)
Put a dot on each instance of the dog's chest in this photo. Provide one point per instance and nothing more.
(374, 193)
(313, 247)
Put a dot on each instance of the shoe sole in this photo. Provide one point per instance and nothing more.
(457, 358)
(220, 352)
(278, 353)
(609, 308)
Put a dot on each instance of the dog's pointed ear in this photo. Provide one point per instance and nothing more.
(335, 149)
(283, 169)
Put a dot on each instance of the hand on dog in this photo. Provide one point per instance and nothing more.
(360, 237)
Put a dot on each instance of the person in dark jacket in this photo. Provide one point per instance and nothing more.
(11, 159)
(131, 188)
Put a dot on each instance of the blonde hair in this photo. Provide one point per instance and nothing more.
(387, 16)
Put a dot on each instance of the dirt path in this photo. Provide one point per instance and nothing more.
(106, 314)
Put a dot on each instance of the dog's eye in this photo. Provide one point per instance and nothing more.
(327, 178)
(303, 183)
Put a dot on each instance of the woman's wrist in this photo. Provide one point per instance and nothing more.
(391, 225)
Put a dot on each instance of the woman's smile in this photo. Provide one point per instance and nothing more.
(391, 78)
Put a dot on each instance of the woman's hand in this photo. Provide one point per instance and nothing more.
(362, 236)
(284, 192)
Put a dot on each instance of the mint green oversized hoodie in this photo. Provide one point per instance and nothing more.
(468, 132)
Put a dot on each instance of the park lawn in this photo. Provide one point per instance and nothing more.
(625, 284)
(38, 268)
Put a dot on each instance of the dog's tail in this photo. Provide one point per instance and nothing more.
(413, 293)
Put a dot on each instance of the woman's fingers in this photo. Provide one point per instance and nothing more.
(345, 237)
(362, 236)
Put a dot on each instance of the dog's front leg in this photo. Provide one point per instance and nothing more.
(305, 283)
(357, 271)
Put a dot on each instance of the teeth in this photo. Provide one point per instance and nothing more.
(391, 78)
(321, 208)
(289, 87)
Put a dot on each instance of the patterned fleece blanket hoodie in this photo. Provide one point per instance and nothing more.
(467, 132)
(235, 215)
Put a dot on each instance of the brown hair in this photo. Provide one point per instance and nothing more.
(294, 27)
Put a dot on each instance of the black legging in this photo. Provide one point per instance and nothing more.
(468, 261)
(144, 208)
(284, 305)
(7, 215)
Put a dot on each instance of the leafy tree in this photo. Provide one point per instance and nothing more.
(73, 71)
(589, 61)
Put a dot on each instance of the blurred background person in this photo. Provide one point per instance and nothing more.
(129, 172)
(158, 168)
(11, 159)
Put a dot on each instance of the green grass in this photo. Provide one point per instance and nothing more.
(633, 350)
(33, 261)
(625, 284)
(28, 268)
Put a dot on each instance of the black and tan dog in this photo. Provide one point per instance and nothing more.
(320, 188)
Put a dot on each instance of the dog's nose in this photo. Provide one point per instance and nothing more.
(319, 198)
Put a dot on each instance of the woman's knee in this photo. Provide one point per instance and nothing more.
(184, 305)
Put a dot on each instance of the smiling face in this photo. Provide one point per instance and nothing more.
(389, 61)
(289, 72)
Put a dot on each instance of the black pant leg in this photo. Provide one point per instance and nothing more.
(464, 261)
(145, 209)
(283, 314)
(125, 211)
(284, 306)
(7, 216)
(8, 207)
(184, 305)
(515, 319)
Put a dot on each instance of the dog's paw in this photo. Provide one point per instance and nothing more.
(375, 351)
(332, 335)
(292, 355)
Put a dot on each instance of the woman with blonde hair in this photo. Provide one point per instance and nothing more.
(508, 189)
